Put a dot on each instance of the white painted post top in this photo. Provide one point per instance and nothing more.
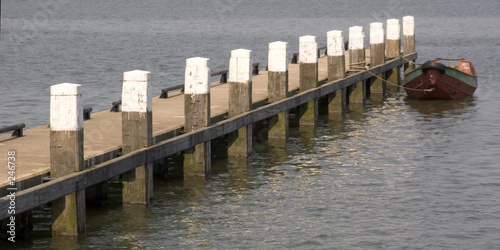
(240, 66)
(335, 43)
(376, 33)
(308, 49)
(66, 89)
(356, 38)
(408, 26)
(196, 77)
(393, 29)
(136, 92)
(277, 57)
(66, 110)
(136, 75)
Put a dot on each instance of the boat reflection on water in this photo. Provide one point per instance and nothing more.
(442, 108)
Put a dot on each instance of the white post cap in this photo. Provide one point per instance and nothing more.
(408, 26)
(136, 75)
(308, 49)
(335, 43)
(393, 29)
(356, 38)
(136, 92)
(376, 33)
(66, 110)
(196, 77)
(277, 57)
(240, 66)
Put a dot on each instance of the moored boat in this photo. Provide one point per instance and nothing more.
(434, 80)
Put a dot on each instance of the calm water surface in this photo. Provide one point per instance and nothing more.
(395, 174)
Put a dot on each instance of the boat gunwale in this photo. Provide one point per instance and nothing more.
(458, 74)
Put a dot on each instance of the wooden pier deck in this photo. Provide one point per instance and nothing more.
(88, 153)
(103, 134)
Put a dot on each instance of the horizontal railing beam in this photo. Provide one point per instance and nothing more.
(223, 79)
(164, 92)
(18, 129)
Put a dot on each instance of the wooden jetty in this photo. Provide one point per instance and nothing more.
(57, 164)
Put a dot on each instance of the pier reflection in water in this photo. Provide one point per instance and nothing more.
(398, 174)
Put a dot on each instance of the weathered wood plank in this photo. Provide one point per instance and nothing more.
(66, 150)
(308, 78)
(393, 49)
(197, 158)
(409, 40)
(277, 85)
(137, 133)
(377, 55)
(357, 62)
(240, 101)
(337, 101)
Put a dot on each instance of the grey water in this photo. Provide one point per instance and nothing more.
(395, 174)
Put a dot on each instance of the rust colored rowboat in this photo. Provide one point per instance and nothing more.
(434, 80)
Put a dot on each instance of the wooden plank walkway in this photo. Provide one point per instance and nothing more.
(152, 127)
(42, 194)
(103, 135)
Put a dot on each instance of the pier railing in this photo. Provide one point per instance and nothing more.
(133, 158)
(57, 188)
(17, 129)
(223, 79)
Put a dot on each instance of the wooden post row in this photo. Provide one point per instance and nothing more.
(337, 102)
(308, 78)
(137, 134)
(197, 160)
(66, 157)
(357, 62)
(278, 88)
(393, 51)
(240, 100)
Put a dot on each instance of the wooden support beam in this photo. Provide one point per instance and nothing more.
(278, 88)
(18, 225)
(392, 51)
(308, 78)
(357, 62)
(197, 160)
(240, 101)
(337, 101)
(137, 127)
(377, 56)
(66, 157)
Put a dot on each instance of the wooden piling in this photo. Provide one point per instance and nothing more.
(197, 160)
(240, 101)
(308, 78)
(392, 51)
(377, 56)
(137, 128)
(66, 157)
(277, 88)
(337, 101)
(357, 62)
(20, 227)
(409, 40)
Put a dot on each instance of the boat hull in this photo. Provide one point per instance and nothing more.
(440, 83)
